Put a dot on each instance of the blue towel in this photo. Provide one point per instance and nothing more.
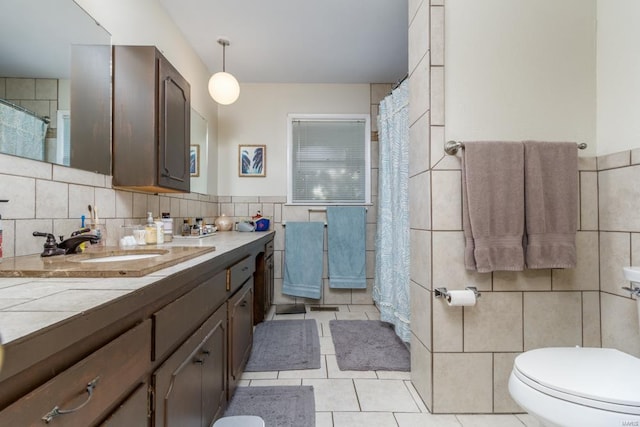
(304, 243)
(346, 231)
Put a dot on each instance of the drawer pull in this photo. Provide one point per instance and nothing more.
(243, 303)
(198, 361)
(57, 411)
(245, 268)
(206, 352)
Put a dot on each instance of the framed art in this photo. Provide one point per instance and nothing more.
(252, 160)
(194, 160)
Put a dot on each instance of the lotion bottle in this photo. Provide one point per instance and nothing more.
(150, 230)
(159, 231)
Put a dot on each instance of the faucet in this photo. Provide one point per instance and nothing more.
(65, 247)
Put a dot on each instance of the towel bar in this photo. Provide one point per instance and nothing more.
(452, 147)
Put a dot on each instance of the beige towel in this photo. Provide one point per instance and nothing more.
(493, 205)
(551, 203)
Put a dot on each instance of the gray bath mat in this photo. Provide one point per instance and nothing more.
(368, 345)
(278, 406)
(285, 345)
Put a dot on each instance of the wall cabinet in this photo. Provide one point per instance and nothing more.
(151, 122)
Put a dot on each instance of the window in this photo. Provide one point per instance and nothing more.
(329, 159)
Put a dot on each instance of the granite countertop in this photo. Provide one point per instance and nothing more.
(28, 304)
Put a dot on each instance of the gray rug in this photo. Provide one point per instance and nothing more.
(278, 406)
(285, 345)
(368, 345)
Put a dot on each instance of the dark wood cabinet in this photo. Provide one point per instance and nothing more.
(263, 284)
(151, 122)
(190, 386)
(240, 313)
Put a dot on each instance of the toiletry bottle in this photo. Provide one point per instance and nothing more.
(150, 231)
(0, 238)
(159, 231)
(168, 226)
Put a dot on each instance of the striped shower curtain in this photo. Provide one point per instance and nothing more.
(391, 284)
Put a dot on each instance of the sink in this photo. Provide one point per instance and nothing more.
(632, 274)
(120, 258)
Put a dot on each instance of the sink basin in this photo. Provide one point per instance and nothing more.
(632, 274)
(120, 258)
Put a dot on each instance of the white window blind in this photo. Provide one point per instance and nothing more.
(329, 159)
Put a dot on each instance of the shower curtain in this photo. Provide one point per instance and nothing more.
(21, 133)
(391, 284)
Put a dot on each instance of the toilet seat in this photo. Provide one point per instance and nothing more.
(600, 378)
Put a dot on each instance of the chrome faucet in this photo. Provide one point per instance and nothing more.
(65, 247)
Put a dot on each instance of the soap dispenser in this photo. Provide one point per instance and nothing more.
(150, 230)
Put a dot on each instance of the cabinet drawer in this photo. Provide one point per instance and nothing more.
(115, 369)
(176, 321)
(268, 248)
(239, 272)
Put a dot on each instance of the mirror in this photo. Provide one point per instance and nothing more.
(198, 153)
(55, 73)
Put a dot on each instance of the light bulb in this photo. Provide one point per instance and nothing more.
(224, 88)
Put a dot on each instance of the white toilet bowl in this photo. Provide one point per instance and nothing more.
(575, 386)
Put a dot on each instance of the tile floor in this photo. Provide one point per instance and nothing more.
(366, 398)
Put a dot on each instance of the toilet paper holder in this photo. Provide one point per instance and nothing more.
(444, 293)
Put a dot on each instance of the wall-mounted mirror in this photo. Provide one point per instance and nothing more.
(55, 72)
(199, 153)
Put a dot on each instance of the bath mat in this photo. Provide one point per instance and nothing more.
(368, 345)
(285, 345)
(278, 406)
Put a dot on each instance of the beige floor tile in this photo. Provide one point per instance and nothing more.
(324, 419)
(306, 373)
(326, 345)
(393, 375)
(384, 395)
(416, 396)
(357, 315)
(529, 420)
(334, 394)
(373, 316)
(259, 375)
(489, 421)
(422, 420)
(364, 419)
(278, 382)
(364, 307)
(333, 370)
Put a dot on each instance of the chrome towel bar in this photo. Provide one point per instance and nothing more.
(452, 147)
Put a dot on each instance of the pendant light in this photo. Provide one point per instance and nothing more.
(223, 87)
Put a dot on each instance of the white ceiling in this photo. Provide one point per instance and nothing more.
(298, 41)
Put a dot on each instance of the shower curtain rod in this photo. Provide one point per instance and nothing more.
(452, 147)
(45, 119)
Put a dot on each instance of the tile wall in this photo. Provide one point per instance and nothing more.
(462, 357)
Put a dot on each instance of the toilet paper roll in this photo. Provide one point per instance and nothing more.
(461, 298)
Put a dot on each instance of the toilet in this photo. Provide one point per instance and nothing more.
(578, 386)
(239, 421)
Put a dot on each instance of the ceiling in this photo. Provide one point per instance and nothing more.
(298, 41)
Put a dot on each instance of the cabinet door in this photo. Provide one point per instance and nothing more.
(214, 371)
(240, 332)
(175, 128)
(268, 283)
(185, 392)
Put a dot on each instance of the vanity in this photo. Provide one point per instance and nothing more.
(162, 349)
